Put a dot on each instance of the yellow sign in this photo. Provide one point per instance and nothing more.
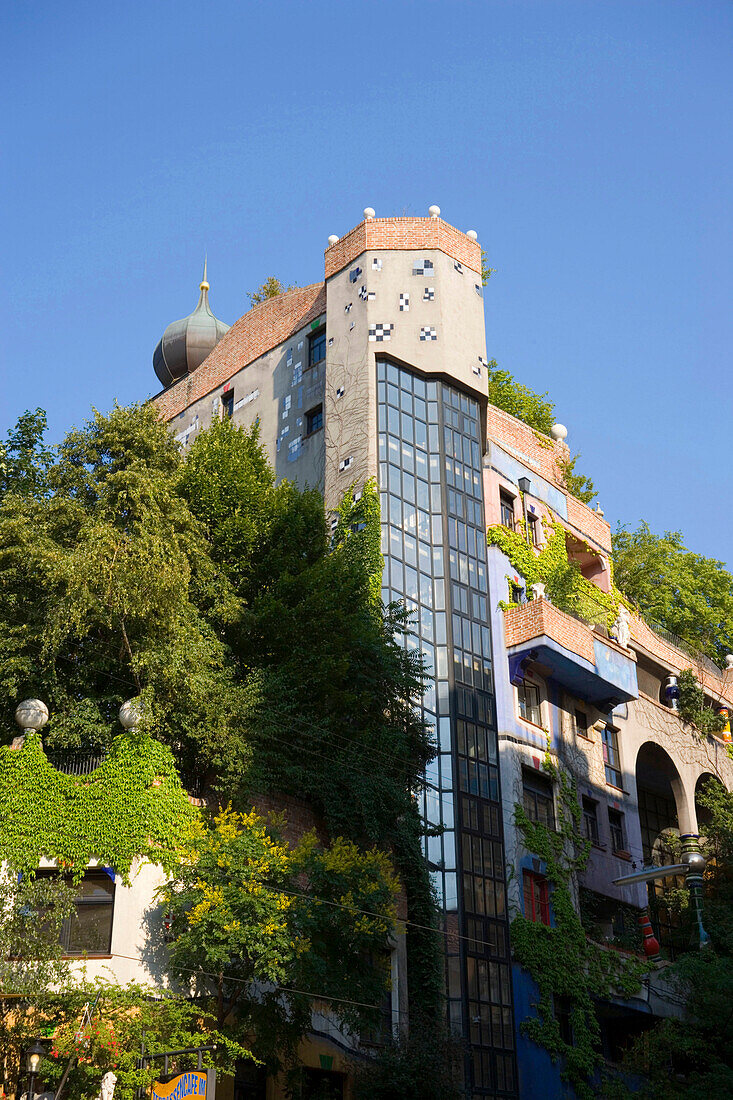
(192, 1083)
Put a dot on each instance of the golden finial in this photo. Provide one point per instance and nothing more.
(203, 285)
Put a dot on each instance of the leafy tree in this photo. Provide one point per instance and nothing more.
(271, 288)
(535, 409)
(24, 459)
(691, 1057)
(105, 578)
(246, 908)
(577, 484)
(684, 592)
(31, 962)
(420, 1066)
(486, 271)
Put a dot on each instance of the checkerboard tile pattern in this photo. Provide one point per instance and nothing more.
(381, 332)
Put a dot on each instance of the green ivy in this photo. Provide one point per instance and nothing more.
(692, 706)
(363, 516)
(131, 805)
(561, 959)
(565, 584)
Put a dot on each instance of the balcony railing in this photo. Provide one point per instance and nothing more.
(76, 763)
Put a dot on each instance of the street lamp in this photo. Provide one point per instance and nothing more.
(32, 1060)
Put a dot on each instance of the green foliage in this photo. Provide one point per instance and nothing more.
(30, 961)
(565, 584)
(123, 1018)
(424, 1065)
(506, 393)
(24, 459)
(271, 288)
(131, 805)
(105, 580)
(563, 961)
(248, 908)
(690, 1058)
(577, 484)
(692, 706)
(686, 593)
(486, 271)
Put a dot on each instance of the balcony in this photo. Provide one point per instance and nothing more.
(587, 664)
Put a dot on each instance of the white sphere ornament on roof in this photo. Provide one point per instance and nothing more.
(368, 213)
(333, 239)
(728, 661)
(31, 714)
(472, 234)
(434, 211)
(559, 432)
(130, 714)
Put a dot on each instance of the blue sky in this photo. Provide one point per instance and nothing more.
(589, 144)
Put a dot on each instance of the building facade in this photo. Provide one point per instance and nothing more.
(380, 372)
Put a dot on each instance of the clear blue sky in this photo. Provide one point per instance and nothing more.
(589, 144)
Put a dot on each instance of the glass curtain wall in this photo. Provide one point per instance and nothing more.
(434, 546)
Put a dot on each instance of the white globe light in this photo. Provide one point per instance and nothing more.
(31, 714)
(559, 432)
(332, 239)
(472, 234)
(368, 213)
(130, 714)
(434, 211)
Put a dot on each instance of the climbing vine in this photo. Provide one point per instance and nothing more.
(692, 706)
(561, 958)
(131, 805)
(566, 585)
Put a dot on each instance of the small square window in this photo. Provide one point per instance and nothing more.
(529, 702)
(536, 898)
(581, 723)
(227, 404)
(317, 347)
(314, 420)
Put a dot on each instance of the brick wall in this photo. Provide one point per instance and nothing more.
(403, 234)
(532, 620)
(718, 686)
(299, 816)
(589, 523)
(262, 328)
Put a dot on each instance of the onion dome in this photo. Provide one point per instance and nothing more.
(185, 344)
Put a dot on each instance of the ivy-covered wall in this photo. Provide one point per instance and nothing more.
(131, 805)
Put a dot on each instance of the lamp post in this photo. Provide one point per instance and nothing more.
(32, 1061)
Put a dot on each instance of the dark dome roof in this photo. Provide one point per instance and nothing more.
(185, 344)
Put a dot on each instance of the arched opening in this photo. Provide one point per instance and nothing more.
(702, 812)
(663, 812)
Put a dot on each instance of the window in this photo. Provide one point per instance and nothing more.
(536, 898)
(537, 798)
(616, 828)
(590, 820)
(227, 404)
(317, 347)
(534, 529)
(611, 757)
(562, 1007)
(506, 503)
(314, 420)
(89, 929)
(516, 593)
(529, 702)
(581, 723)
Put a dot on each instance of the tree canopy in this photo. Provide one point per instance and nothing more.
(686, 593)
(271, 288)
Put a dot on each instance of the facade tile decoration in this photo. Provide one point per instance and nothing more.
(403, 234)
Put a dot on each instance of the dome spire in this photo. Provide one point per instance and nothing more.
(185, 344)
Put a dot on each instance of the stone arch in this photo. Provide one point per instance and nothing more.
(663, 800)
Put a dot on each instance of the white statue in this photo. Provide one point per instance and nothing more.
(108, 1086)
(621, 629)
(538, 590)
